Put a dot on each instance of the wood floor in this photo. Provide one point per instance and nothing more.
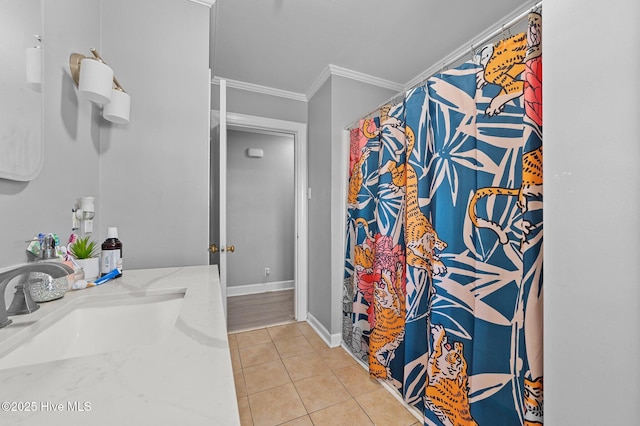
(259, 310)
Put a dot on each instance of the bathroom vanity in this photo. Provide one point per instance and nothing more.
(150, 347)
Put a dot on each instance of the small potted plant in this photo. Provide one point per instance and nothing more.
(85, 251)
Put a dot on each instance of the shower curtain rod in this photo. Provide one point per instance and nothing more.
(465, 49)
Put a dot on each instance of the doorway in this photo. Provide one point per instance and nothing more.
(263, 271)
(260, 218)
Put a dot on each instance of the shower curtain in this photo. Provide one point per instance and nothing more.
(443, 271)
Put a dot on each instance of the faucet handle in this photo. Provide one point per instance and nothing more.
(22, 302)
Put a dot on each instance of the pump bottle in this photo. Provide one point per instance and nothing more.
(111, 257)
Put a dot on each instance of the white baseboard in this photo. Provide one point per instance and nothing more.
(242, 290)
(333, 340)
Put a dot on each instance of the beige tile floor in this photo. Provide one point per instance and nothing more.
(287, 375)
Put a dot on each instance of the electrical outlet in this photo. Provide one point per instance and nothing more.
(267, 271)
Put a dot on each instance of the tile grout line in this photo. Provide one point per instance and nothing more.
(244, 330)
(388, 388)
(246, 389)
(289, 374)
(332, 371)
(317, 351)
(291, 378)
(285, 368)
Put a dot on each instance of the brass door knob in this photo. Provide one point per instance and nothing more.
(213, 248)
(231, 248)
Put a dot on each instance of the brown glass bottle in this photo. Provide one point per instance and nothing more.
(111, 256)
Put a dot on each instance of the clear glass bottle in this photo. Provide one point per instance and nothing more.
(111, 256)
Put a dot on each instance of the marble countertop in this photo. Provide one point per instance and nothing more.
(185, 379)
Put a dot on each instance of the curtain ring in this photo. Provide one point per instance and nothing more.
(506, 32)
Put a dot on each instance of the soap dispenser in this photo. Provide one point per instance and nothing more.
(111, 256)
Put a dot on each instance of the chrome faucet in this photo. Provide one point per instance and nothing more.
(22, 302)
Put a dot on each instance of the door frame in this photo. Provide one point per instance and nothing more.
(299, 133)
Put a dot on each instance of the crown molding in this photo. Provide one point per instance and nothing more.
(365, 78)
(353, 75)
(324, 76)
(207, 3)
(326, 73)
(241, 85)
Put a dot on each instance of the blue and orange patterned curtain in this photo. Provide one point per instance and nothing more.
(443, 276)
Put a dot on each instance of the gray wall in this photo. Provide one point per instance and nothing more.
(334, 106)
(71, 138)
(150, 178)
(319, 207)
(261, 208)
(591, 205)
(154, 172)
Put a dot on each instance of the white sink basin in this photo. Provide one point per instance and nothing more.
(96, 327)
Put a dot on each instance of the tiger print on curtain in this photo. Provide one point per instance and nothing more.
(443, 270)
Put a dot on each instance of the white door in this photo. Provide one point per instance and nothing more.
(218, 248)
